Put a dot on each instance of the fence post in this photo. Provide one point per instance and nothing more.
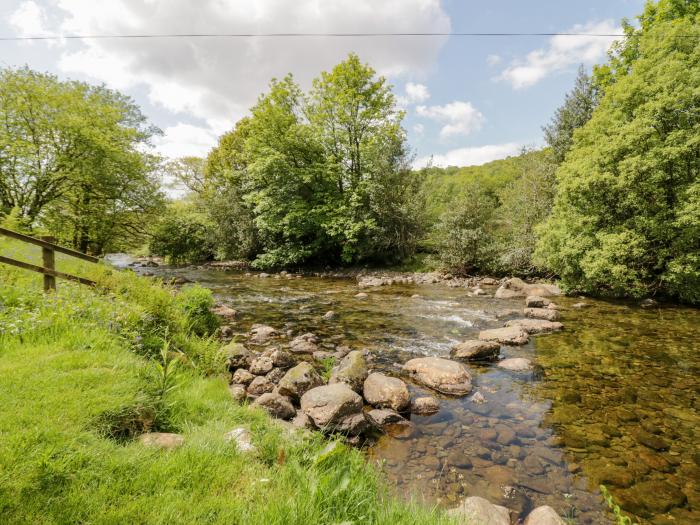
(49, 259)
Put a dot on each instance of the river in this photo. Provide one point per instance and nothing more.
(614, 401)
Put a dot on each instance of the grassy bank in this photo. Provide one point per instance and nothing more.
(81, 375)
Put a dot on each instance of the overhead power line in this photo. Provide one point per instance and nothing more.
(306, 35)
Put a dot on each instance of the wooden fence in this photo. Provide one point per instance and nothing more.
(48, 252)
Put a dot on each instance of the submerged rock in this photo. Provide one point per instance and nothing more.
(443, 375)
(542, 313)
(516, 364)
(475, 510)
(510, 335)
(299, 380)
(225, 312)
(650, 497)
(544, 515)
(334, 408)
(386, 392)
(352, 370)
(475, 350)
(535, 326)
(361, 295)
(276, 405)
(164, 440)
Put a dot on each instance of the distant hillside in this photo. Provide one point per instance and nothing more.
(442, 185)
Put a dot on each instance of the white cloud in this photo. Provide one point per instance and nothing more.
(185, 140)
(473, 156)
(459, 118)
(418, 129)
(217, 79)
(561, 53)
(416, 93)
(493, 60)
(29, 19)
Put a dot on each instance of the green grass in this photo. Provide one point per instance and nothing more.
(80, 377)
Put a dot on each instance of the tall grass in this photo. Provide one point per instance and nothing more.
(83, 371)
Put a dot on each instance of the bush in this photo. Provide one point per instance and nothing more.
(184, 235)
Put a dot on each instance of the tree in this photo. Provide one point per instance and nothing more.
(72, 159)
(626, 216)
(463, 237)
(187, 171)
(575, 112)
(525, 203)
(183, 235)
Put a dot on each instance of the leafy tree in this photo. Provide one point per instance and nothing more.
(187, 171)
(525, 203)
(183, 235)
(463, 237)
(574, 113)
(72, 159)
(626, 217)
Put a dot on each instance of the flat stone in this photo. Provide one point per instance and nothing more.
(535, 301)
(164, 440)
(648, 498)
(535, 326)
(510, 335)
(425, 406)
(242, 438)
(443, 375)
(542, 313)
(276, 405)
(516, 364)
(361, 295)
(544, 515)
(614, 476)
(516, 287)
(650, 440)
(386, 392)
(475, 510)
(475, 350)
(299, 380)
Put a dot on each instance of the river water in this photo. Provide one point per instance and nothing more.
(614, 401)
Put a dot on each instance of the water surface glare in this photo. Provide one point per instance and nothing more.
(615, 401)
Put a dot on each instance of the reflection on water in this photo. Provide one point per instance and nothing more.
(616, 402)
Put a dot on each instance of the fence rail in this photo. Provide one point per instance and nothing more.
(48, 253)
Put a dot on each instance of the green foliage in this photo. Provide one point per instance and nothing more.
(626, 216)
(184, 234)
(73, 394)
(72, 160)
(575, 112)
(463, 238)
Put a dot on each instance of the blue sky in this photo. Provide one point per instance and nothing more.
(468, 100)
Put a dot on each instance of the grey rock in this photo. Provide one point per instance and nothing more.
(475, 510)
(544, 515)
(386, 392)
(475, 350)
(542, 313)
(352, 370)
(330, 406)
(443, 375)
(535, 326)
(276, 405)
(510, 335)
(299, 380)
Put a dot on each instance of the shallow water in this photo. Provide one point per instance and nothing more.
(615, 402)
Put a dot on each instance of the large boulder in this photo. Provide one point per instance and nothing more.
(237, 356)
(535, 326)
(475, 350)
(478, 511)
(261, 366)
(276, 405)
(260, 385)
(334, 408)
(242, 377)
(443, 375)
(261, 334)
(547, 314)
(299, 380)
(510, 335)
(386, 392)
(544, 515)
(352, 370)
(518, 288)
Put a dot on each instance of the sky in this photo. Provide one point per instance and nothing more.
(468, 100)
